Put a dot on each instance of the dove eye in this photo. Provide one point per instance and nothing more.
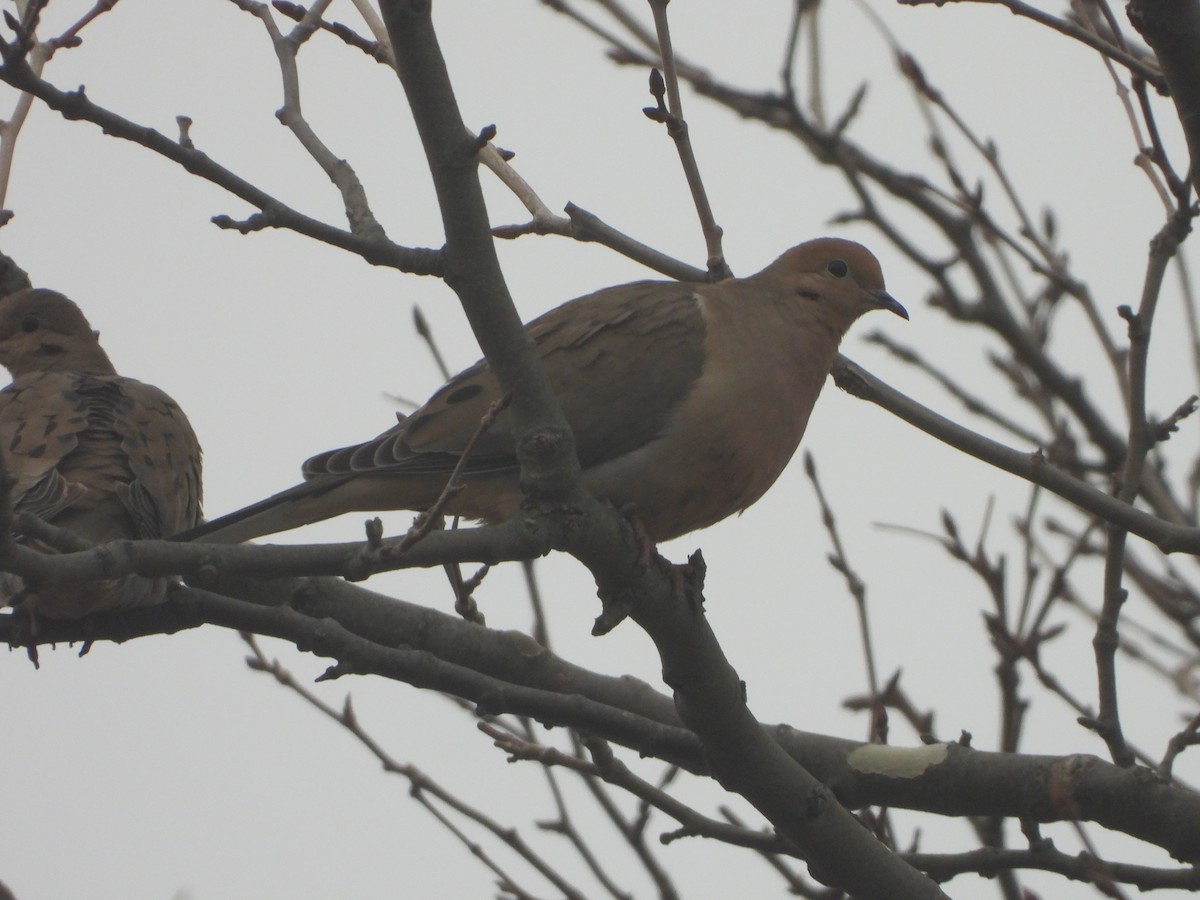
(30, 323)
(837, 268)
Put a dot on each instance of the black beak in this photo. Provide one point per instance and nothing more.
(890, 303)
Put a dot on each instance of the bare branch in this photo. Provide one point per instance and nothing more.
(273, 213)
(1138, 65)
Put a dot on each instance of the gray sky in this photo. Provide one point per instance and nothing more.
(165, 768)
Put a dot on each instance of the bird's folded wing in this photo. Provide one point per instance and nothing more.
(164, 493)
(41, 420)
(621, 363)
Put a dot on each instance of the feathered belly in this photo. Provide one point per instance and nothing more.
(717, 457)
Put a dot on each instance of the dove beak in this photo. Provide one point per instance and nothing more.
(884, 300)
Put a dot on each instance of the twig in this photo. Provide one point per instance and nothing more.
(1141, 438)
(633, 831)
(363, 223)
(1033, 467)
(273, 213)
(1189, 736)
(612, 771)
(421, 326)
(578, 223)
(972, 403)
(671, 115)
(39, 54)
(877, 731)
(1134, 63)
(380, 52)
(423, 787)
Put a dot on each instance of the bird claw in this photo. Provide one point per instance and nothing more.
(647, 548)
(687, 585)
(24, 628)
(687, 579)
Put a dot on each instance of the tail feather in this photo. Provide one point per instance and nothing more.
(300, 505)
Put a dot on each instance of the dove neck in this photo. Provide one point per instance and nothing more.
(59, 357)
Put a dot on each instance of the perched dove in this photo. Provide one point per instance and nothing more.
(103, 456)
(687, 401)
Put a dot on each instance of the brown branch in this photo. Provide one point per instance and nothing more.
(362, 220)
(582, 225)
(503, 672)
(545, 444)
(671, 115)
(423, 787)
(73, 105)
(377, 50)
(858, 591)
(1141, 438)
(1167, 536)
(605, 766)
(1045, 858)
(972, 403)
(1138, 65)
(743, 757)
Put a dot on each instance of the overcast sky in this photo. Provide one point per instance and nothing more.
(164, 767)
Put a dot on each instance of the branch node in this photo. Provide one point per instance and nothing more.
(486, 135)
(185, 126)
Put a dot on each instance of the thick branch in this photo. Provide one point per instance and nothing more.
(545, 445)
(506, 672)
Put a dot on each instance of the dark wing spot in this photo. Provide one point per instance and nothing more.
(466, 392)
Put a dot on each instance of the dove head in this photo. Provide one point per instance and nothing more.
(43, 331)
(843, 277)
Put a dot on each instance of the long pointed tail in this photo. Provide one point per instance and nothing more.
(312, 501)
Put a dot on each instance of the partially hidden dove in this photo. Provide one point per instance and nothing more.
(103, 456)
(686, 399)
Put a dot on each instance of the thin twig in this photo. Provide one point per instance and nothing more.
(423, 787)
(677, 128)
(877, 731)
(1134, 63)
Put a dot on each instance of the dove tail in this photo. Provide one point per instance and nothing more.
(303, 504)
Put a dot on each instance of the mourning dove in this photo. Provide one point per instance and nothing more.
(686, 400)
(103, 456)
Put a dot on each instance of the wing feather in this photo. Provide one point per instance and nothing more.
(633, 354)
